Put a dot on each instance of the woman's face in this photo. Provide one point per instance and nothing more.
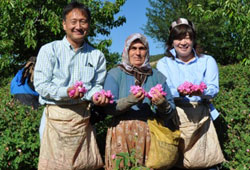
(184, 46)
(137, 53)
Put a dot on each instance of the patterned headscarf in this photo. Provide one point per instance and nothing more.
(140, 73)
(182, 21)
(28, 72)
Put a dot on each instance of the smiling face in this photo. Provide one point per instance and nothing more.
(76, 26)
(137, 53)
(183, 46)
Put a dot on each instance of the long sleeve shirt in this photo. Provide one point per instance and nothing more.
(200, 69)
(58, 67)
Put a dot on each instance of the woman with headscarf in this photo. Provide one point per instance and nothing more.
(183, 66)
(129, 131)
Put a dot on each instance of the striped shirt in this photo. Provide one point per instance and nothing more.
(58, 67)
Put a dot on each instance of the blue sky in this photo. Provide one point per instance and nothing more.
(135, 13)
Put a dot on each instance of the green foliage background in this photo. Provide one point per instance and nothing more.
(26, 25)
(222, 26)
(19, 138)
(233, 102)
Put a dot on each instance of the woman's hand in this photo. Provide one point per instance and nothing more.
(196, 93)
(102, 100)
(183, 94)
(157, 97)
(139, 96)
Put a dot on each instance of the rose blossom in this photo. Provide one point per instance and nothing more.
(189, 88)
(157, 87)
(107, 94)
(80, 87)
(135, 89)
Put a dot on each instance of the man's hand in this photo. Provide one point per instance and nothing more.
(77, 93)
(101, 100)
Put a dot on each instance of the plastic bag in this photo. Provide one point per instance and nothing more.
(163, 151)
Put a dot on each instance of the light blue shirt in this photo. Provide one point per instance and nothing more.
(200, 69)
(58, 67)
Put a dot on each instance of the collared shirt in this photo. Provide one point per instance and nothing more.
(200, 69)
(58, 67)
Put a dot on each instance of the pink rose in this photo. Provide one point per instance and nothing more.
(203, 86)
(152, 91)
(135, 89)
(81, 88)
(113, 156)
(107, 94)
(72, 93)
(189, 88)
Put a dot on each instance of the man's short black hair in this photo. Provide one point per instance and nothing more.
(76, 5)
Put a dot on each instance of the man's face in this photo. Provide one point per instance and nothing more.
(76, 26)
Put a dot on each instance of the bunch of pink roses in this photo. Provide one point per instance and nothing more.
(189, 88)
(80, 87)
(157, 87)
(135, 89)
(107, 94)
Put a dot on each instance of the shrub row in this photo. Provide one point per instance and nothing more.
(19, 137)
(233, 126)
